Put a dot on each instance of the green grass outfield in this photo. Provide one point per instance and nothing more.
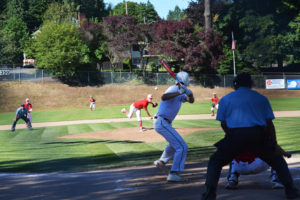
(41, 151)
(278, 104)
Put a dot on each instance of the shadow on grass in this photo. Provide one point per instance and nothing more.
(89, 163)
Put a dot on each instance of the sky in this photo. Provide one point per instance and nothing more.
(162, 7)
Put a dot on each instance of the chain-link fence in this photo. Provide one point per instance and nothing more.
(149, 78)
(21, 74)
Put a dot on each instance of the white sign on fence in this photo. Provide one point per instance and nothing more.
(275, 84)
(4, 72)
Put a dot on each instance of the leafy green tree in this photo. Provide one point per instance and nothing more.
(35, 12)
(176, 15)
(92, 8)
(59, 49)
(92, 36)
(265, 33)
(61, 13)
(151, 15)
(13, 32)
(226, 65)
(145, 13)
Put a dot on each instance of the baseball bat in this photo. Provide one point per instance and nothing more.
(168, 68)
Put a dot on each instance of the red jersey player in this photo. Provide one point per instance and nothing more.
(92, 103)
(29, 109)
(215, 104)
(137, 106)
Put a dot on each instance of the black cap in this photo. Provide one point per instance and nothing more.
(22, 105)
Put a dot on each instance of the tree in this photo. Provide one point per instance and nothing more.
(92, 36)
(196, 10)
(59, 49)
(198, 50)
(207, 14)
(120, 34)
(59, 13)
(13, 33)
(263, 32)
(35, 12)
(145, 13)
(176, 15)
(92, 8)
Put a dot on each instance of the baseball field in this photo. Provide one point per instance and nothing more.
(103, 146)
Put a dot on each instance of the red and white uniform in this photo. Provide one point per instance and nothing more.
(215, 103)
(136, 107)
(248, 163)
(29, 109)
(92, 103)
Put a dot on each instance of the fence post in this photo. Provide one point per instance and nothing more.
(88, 77)
(111, 77)
(156, 78)
(19, 74)
(42, 75)
(14, 72)
(224, 80)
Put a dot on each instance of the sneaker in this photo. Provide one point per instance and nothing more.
(12, 129)
(277, 185)
(123, 110)
(173, 177)
(231, 184)
(161, 165)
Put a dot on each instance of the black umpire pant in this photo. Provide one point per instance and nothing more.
(239, 140)
(27, 121)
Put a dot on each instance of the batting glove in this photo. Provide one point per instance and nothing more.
(188, 92)
(182, 89)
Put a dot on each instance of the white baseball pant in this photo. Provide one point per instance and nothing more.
(137, 112)
(29, 117)
(92, 105)
(216, 106)
(245, 168)
(176, 149)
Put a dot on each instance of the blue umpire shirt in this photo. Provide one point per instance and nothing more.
(168, 109)
(244, 108)
(21, 112)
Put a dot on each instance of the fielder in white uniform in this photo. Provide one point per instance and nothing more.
(167, 111)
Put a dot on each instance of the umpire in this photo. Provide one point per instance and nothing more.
(21, 114)
(245, 115)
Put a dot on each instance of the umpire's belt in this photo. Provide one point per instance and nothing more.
(156, 117)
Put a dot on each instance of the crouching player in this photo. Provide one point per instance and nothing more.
(247, 163)
(21, 114)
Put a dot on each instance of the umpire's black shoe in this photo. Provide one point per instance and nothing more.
(292, 193)
(210, 194)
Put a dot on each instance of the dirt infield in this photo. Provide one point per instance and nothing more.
(133, 134)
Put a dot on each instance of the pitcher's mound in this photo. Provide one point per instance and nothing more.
(133, 134)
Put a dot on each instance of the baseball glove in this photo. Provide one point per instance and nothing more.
(154, 104)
